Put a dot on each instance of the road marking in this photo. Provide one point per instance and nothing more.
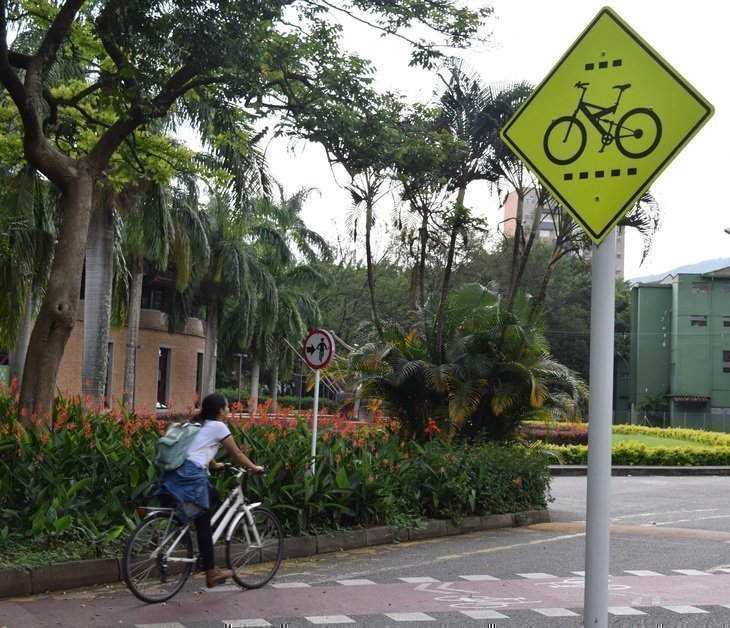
(484, 615)
(418, 580)
(355, 582)
(291, 585)
(246, 623)
(330, 619)
(691, 572)
(624, 610)
(478, 578)
(536, 576)
(555, 612)
(643, 572)
(638, 530)
(685, 610)
(409, 617)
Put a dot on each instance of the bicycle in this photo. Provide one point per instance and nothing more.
(636, 134)
(159, 554)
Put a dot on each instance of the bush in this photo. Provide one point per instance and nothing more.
(637, 454)
(79, 484)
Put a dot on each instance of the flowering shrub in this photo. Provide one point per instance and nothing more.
(554, 433)
(83, 479)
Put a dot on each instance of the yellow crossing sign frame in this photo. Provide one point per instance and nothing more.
(604, 123)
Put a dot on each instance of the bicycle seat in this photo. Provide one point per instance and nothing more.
(622, 87)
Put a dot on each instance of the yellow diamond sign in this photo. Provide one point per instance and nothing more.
(604, 123)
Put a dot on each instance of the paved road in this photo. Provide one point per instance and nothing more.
(669, 566)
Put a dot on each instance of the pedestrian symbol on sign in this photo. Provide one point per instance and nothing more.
(318, 348)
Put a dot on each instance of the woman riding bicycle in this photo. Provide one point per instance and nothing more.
(189, 486)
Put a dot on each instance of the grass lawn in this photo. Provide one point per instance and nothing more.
(655, 441)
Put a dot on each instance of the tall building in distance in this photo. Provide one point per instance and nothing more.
(547, 224)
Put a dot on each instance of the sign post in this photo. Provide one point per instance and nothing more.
(319, 347)
(597, 131)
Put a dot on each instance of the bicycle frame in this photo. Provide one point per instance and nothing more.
(226, 518)
(596, 113)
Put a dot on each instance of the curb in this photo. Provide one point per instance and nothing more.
(17, 582)
(628, 470)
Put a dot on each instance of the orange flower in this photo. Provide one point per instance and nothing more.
(432, 428)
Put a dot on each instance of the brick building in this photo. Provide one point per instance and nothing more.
(169, 366)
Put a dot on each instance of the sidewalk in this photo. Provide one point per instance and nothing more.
(86, 573)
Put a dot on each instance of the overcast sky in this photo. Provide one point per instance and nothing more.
(528, 38)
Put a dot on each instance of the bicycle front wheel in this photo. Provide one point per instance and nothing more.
(158, 558)
(254, 555)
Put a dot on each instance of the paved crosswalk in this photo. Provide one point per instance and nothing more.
(525, 599)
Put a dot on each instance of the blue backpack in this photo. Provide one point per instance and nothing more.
(171, 449)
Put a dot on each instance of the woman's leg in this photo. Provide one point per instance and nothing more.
(205, 540)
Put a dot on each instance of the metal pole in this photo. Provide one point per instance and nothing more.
(240, 367)
(598, 502)
(314, 416)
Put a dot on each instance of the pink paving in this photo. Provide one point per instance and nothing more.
(366, 599)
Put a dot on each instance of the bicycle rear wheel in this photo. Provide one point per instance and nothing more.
(255, 564)
(157, 558)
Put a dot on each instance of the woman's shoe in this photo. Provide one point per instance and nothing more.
(214, 577)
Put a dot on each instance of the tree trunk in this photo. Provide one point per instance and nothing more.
(17, 356)
(458, 221)
(211, 338)
(98, 299)
(274, 382)
(57, 314)
(130, 361)
(369, 263)
(255, 374)
(423, 242)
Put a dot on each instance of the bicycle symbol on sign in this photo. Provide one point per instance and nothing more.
(636, 133)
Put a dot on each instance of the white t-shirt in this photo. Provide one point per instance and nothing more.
(205, 444)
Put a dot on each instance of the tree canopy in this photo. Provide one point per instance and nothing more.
(87, 78)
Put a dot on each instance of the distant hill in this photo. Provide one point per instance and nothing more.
(699, 267)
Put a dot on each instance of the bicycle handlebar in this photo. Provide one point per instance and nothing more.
(239, 471)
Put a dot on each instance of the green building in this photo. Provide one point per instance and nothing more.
(680, 351)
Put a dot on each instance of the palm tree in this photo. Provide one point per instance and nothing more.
(472, 114)
(288, 249)
(233, 270)
(496, 372)
(28, 210)
(165, 231)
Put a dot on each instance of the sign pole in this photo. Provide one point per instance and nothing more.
(318, 349)
(598, 502)
(314, 417)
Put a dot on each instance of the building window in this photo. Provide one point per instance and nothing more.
(726, 361)
(726, 321)
(699, 287)
(163, 378)
(153, 299)
(698, 320)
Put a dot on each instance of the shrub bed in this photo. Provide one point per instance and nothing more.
(77, 486)
(554, 433)
(637, 454)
